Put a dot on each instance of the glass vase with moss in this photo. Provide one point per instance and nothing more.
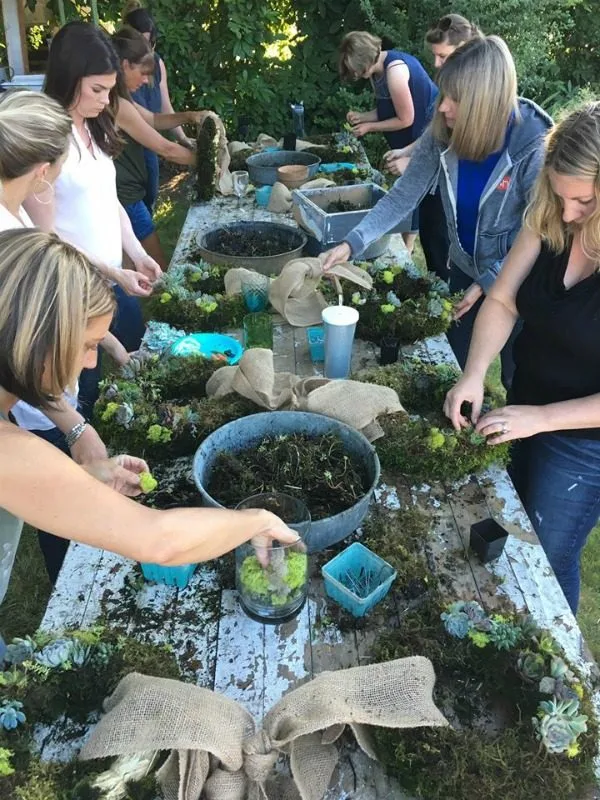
(272, 585)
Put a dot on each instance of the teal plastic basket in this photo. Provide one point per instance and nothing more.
(171, 576)
(355, 562)
(316, 343)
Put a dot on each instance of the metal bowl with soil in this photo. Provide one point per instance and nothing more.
(263, 167)
(262, 246)
(347, 461)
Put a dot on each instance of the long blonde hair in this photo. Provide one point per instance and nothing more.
(34, 129)
(573, 150)
(49, 292)
(480, 77)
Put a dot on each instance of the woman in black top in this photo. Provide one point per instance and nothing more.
(551, 279)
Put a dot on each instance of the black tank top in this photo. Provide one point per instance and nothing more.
(557, 354)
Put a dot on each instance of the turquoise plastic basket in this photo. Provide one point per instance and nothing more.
(352, 560)
(172, 576)
(316, 343)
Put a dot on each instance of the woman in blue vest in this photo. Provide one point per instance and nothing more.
(154, 96)
(405, 95)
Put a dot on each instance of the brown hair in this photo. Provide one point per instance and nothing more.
(480, 76)
(49, 291)
(572, 149)
(358, 52)
(452, 29)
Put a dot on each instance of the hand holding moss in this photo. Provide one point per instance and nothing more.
(272, 528)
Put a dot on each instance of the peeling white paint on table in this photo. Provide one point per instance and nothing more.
(219, 647)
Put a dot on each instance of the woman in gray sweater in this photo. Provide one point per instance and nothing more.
(485, 148)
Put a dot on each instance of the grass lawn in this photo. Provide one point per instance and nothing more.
(29, 588)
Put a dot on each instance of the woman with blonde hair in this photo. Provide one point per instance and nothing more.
(485, 147)
(55, 308)
(551, 280)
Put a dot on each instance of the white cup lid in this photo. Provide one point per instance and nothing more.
(339, 315)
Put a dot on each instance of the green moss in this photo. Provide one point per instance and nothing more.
(262, 583)
(206, 169)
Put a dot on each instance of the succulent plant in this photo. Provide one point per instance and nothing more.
(102, 653)
(456, 622)
(559, 724)
(504, 634)
(547, 685)
(11, 715)
(19, 650)
(531, 666)
(559, 669)
(80, 653)
(56, 654)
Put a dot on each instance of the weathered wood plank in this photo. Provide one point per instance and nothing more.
(287, 657)
(73, 589)
(240, 669)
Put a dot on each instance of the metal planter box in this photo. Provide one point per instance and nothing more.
(331, 228)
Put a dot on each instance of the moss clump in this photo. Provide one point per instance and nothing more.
(276, 584)
(187, 314)
(206, 169)
(318, 470)
(491, 749)
(239, 159)
(148, 482)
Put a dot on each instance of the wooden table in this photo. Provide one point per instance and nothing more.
(219, 647)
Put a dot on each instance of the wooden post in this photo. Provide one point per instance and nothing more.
(16, 40)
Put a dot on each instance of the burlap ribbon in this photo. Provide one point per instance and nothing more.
(280, 200)
(294, 293)
(217, 754)
(355, 403)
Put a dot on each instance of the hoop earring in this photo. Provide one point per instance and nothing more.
(51, 188)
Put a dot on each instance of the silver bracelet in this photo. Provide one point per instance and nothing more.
(73, 435)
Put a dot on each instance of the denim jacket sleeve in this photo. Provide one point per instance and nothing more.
(402, 199)
(528, 173)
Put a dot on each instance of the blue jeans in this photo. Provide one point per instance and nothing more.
(128, 326)
(152, 169)
(558, 480)
(460, 333)
(54, 548)
(140, 218)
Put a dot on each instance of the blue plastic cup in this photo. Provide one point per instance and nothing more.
(339, 323)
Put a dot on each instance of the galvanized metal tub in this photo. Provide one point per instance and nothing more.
(262, 167)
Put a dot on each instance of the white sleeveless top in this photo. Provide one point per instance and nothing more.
(26, 416)
(86, 203)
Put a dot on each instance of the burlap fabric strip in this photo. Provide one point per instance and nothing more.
(295, 295)
(280, 200)
(355, 403)
(216, 752)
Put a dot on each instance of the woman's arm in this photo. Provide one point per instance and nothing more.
(493, 326)
(89, 446)
(166, 106)
(142, 262)
(397, 75)
(41, 485)
(132, 122)
(164, 122)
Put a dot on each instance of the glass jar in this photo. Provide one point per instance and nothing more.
(255, 291)
(275, 592)
(258, 330)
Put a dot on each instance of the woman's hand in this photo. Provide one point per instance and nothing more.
(89, 447)
(274, 529)
(354, 117)
(134, 283)
(467, 390)
(147, 267)
(121, 473)
(337, 255)
(470, 297)
(362, 128)
(398, 166)
(512, 422)
(392, 155)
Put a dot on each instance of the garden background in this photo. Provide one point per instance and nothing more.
(252, 58)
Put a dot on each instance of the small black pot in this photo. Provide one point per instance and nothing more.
(389, 350)
(243, 130)
(488, 539)
(289, 141)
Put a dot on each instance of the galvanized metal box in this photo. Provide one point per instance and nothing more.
(310, 210)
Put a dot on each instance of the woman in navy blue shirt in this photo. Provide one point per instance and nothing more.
(405, 96)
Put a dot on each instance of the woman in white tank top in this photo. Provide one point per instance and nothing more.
(82, 75)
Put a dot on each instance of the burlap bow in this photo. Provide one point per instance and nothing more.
(294, 293)
(216, 752)
(355, 403)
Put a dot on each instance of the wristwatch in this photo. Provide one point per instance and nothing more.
(73, 435)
